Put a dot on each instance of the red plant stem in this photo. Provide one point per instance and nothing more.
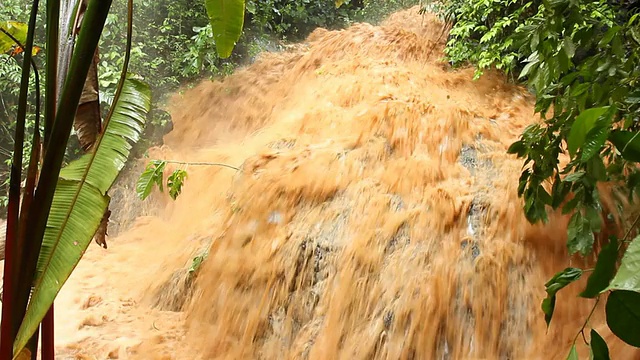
(8, 287)
(48, 348)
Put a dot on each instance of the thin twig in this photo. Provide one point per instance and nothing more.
(633, 225)
(586, 321)
(201, 163)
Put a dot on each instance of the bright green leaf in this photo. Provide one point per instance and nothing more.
(581, 126)
(628, 276)
(152, 175)
(227, 20)
(623, 315)
(599, 348)
(175, 182)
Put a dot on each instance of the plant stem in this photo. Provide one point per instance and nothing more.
(633, 225)
(586, 321)
(12, 307)
(88, 38)
(51, 87)
(201, 163)
(48, 348)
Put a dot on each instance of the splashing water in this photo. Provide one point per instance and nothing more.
(375, 215)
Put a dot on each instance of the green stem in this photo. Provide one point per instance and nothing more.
(586, 322)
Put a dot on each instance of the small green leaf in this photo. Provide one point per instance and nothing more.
(555, 284)
(581, 126)
(604, 270)
(599, 348)
(623, 315)
(175, 182)
(628, 276)
(597, 169)
(580, 235)
(594, 142)
(580, 89)
(527, 69)
(628, 143)
(608, 36)
(575, 176)
(517, 148)
(573, 353)
(569, 47)
(153, 174)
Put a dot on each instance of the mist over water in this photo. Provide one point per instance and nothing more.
(375, 216)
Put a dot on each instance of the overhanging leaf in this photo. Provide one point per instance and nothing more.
(604, 270)
(227, 20)
(126, 125)
(628, 276)
(581, 126)
(153, 174)
(175, 182)
(555, 284)
(623, 316)
(80, 202)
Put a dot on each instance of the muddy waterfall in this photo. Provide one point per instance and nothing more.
(374, 216)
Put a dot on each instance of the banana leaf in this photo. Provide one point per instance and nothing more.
(80, 202)
(227, 19)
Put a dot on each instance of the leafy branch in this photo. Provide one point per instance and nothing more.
(153, 175)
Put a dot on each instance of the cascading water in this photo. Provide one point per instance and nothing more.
(375, 216)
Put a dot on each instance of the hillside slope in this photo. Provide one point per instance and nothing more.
(375, 216)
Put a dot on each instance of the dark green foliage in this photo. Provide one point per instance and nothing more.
(623, 315)
(555, 284)
(580, 58)
(604, 271)
(599, 348)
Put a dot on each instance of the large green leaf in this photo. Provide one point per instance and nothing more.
(80, 201)
(227, 20)
(628, 276)
(126, 125)
(583, 125)
(623, 315)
